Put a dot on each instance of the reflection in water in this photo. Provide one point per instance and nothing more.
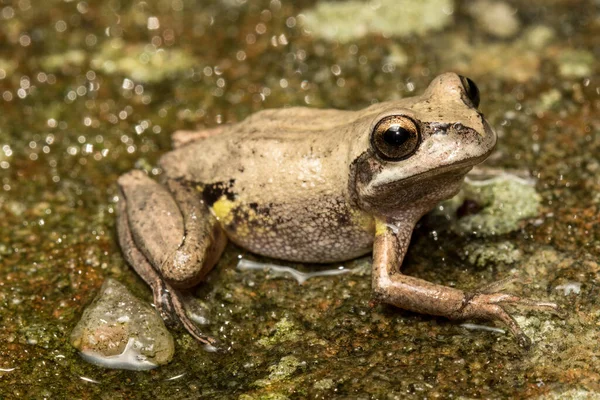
(300, 276)
(130, 358)
(570, 287)
(476, 327)
(86, 379)
(174, 378)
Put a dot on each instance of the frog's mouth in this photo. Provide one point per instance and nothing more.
(459, 170)
(419, 191)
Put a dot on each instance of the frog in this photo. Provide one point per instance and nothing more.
(312, 185)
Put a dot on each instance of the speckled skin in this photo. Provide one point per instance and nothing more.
(306, 185)
(288, 187)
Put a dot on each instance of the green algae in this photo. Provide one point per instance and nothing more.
(7, 67)
(55, 62)
(349, 20)
(282, 371)
(485, 254)
(142, 62)
(576, 63)
(505, 201)
(283, 331)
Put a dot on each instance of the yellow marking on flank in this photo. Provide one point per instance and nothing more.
(380, 227)
(362, 220)
(223, 209)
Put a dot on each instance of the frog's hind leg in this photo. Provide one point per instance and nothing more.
(172, 241)
(160, 289)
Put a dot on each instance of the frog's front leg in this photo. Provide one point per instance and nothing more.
(170, 239)
(392, 287)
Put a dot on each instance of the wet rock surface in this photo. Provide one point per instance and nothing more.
(74, 117)
(120, 331)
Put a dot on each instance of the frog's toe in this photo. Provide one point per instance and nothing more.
(499, 285)
(188, 324)
(493, 306)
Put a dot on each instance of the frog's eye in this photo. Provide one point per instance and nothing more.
(395, 138)
(471, 90)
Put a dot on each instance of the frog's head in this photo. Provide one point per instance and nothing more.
(419, 149)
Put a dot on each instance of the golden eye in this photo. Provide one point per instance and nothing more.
(395, 138)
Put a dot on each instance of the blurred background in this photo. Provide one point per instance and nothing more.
(90, 90)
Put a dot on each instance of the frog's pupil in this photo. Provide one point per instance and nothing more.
(471, 89)
(396, 135)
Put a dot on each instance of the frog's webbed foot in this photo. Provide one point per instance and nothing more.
(495, 305)
(188, 324)
(169, 240)
(392, 287)
(181, 138)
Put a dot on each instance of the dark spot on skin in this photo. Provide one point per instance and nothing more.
(342, 216)
(468, 207)
(361, 172)
(263, 211)
(241, 169)
(436, 128)
(241, 217)
(214, 191)
(366, 166)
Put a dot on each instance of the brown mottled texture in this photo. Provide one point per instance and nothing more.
(198, 226)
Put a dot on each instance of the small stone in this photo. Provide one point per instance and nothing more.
(120, 331)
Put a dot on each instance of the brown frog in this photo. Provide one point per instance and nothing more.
(316, 186)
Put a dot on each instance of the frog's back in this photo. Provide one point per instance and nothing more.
(278, 182)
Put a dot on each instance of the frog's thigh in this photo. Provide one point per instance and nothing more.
(203, 243)
(179, 237)
(161, 291)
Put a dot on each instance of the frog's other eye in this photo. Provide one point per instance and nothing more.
(395, 138)
(471, 90)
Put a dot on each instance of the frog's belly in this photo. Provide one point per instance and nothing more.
(317, 232)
